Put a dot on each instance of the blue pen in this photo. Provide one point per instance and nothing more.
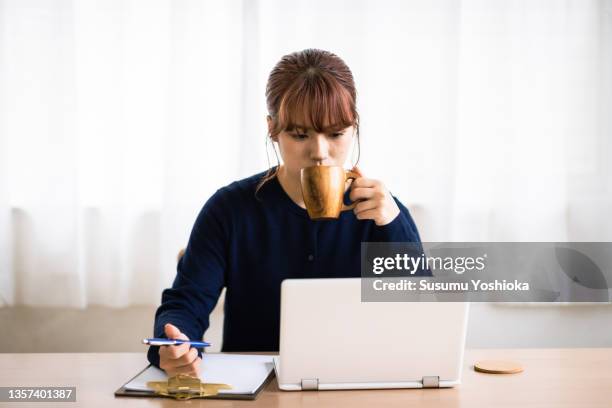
(173, 342)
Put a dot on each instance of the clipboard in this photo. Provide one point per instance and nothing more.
(229, 368)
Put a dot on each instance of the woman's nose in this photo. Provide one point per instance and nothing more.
(319, 148)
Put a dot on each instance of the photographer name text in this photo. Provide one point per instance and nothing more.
(429, 286)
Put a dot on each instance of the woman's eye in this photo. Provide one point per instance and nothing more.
(300, 136)
(336, 135)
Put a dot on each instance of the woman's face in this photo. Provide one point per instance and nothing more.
(304, 147)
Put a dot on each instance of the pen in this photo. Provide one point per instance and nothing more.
(173, 342)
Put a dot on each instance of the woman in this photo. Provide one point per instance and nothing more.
(255, 232)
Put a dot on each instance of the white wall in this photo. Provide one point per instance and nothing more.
(98, 329)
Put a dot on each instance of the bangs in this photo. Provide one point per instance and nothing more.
(316, 101)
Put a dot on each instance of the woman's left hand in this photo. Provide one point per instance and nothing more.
(375, 201)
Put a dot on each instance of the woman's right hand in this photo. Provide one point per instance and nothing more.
(179, 359)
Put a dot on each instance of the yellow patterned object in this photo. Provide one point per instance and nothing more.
(184, 387)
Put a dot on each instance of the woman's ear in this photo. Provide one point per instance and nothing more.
(269, 120)
(270, 127)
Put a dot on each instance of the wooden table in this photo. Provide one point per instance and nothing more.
(552, 378)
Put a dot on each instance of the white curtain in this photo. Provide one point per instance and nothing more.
(118, 119)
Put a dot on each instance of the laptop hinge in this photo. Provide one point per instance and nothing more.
(431, 381)
(310, 384)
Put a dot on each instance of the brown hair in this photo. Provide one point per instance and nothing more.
(313, 87)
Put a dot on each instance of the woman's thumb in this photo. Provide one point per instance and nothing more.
(172, 332)
(357, 170)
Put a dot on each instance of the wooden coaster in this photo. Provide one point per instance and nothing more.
(498, 367)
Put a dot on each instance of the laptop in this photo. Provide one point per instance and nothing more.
(331, 340)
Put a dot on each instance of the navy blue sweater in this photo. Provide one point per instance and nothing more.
(249, 244)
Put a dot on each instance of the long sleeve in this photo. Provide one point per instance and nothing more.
(401, 229)
(200, 277)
